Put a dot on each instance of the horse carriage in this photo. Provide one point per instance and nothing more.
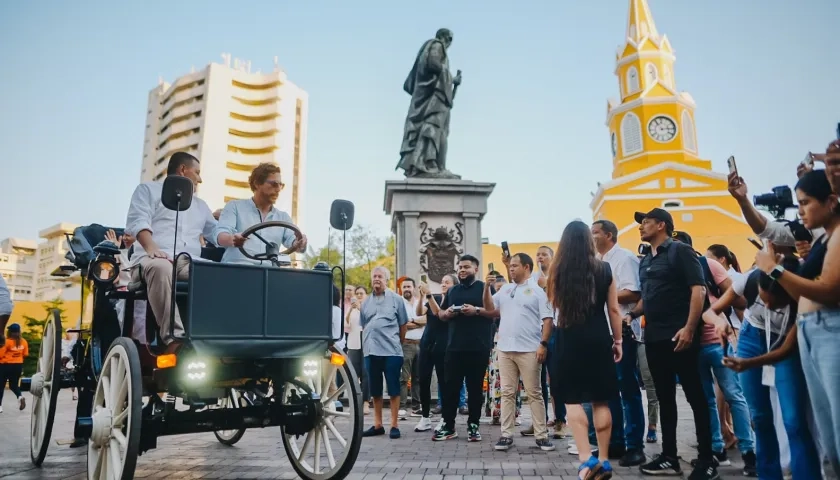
(257, 352)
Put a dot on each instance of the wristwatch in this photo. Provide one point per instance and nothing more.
(428, 295)
(544, 344)
(777, 272)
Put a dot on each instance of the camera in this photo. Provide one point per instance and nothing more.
(776, 202)
(644, 249)
(800, 233)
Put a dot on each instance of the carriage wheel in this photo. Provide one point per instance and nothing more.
(234, 399)
(313, 455)
(115, 438)
(44, 388)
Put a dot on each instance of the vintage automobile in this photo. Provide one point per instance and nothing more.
(258, 352)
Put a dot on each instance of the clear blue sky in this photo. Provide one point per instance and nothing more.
(530, 113)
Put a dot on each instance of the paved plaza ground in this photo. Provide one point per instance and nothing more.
(260, 454)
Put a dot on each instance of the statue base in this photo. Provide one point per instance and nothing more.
(435, 220)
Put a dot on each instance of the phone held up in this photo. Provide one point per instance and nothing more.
(424, 278)
(505, 249)
(756, 243)
(733, 168)
(491, 267)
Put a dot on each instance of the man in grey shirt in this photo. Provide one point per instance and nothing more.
(383, 319)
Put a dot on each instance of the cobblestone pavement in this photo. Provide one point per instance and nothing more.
(260, 454)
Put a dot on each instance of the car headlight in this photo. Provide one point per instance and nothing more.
(196, 370)
(310, 367)
(104, 270)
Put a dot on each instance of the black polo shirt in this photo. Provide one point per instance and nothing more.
(468, 333)
(666, 289)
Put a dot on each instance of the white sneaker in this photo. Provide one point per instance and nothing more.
(440, 425)
(1, 409)
(573, 449)
(424, 425)
(402, 414)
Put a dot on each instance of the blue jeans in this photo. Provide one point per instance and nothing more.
(628, 413)
(793, 401)
(711, 361)
(820, 356)
(462, 397)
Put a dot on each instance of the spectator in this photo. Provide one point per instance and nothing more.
(410, 347)
(383, 320)
(353, 327)
(12, 353)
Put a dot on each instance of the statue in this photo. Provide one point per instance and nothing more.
(432, 90)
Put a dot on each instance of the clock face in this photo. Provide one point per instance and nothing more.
(614, 141)
(662, 129)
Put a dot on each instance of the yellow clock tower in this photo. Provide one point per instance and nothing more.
(656, 161)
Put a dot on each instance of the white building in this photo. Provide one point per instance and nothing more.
(232, 120)
(27, 266)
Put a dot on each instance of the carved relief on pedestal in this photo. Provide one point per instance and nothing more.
(440, 247)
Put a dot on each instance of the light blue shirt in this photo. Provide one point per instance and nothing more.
(238, 216)
(6, 304)
(381, 319)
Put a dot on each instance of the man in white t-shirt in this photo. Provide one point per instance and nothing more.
(411, 347)
(525, 324)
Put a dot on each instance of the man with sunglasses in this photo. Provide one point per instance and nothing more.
(525, 325)
(239, 215)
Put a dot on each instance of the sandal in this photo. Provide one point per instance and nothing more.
(606, 472)
(593, 468)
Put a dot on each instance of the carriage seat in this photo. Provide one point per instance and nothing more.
(84, 239)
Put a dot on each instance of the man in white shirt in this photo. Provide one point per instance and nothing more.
(153, 226)
(410, 346)
(525, 324)
(627, 411)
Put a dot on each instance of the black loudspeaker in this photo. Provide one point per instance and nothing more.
(177, 193)
(341, 214)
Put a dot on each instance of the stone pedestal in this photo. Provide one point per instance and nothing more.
(435, 221)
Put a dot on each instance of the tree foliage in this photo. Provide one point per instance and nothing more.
(365, 251)
(35, 332)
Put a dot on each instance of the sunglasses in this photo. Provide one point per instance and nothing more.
(275, 184)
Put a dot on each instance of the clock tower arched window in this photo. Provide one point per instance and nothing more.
(631, 134)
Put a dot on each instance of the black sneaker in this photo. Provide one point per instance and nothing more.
(503, 444)
(444, 434)
(704, 471)
(749, 464)
(720, 458)
(374, 432)
(662, 465)
(545, 445)
(473, 435)
(417, 412)
(632, 458)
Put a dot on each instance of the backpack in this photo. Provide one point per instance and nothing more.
(711, 287)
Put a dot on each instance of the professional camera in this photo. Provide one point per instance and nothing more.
(776, 202)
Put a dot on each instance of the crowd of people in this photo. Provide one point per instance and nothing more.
(585, 331)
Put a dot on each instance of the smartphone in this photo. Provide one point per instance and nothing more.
(730, 162)
(809, 161)
(756, 243)
(424, 278)
(838, 131)
(491, 267)
(505, 249)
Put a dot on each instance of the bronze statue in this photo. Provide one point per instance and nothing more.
(432, 90)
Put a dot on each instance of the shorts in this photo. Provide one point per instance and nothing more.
(390, 367)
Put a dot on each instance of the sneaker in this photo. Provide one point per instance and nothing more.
(561, 430)
(1, 409)
(632, 458)
(374, 432)
(517, 422)
(662, 465)
(473, 435)
(424, 425)
(22, 402)
(503, 444)
(402, 414)
(545, 445)
(440, 425)
(464, 411)
(720, 459)
(417, 413)
(651, 435)
(704, 471)
(749, 464)
(394, 433)
(444, 434)
(436, 411)
(573, 449)
(527, 432)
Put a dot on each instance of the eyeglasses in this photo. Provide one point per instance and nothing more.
(513, 292)
(275, 184)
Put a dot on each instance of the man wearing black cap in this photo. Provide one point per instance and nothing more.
(673, 296)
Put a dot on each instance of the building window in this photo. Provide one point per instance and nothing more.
(631, 134)
(670, 183)
(652, 73)
(672, 204)
(687, 217)
(632, 81)
(689, 138)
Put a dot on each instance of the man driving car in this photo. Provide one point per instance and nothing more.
(239, 215)
(153, 226)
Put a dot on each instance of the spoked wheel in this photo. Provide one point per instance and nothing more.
(234, 399)
(46, 383)
(330, 449)
(115, 439)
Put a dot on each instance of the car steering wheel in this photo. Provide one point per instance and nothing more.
(268, 255)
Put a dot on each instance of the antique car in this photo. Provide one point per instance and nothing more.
(257, 352)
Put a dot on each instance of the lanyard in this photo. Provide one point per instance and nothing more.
(783, 328)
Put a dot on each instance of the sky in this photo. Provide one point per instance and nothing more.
(530, 114)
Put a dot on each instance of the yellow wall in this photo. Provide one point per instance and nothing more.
(72, 312)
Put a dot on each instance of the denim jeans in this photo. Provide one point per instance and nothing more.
(628, 413)
(711, 361)
(820, 356)
(793, 400)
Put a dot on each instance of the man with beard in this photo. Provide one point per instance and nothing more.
(410, 346)
(467, 350)
(239, 215)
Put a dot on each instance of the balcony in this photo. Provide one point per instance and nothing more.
(179, 128)
(185, 94)
(255, 110)
(255, 95)
(181, 111)
(178, 144)
(253, 145)
(270, 125)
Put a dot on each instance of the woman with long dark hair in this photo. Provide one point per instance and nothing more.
(579, 287)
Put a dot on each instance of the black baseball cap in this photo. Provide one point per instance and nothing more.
(657, 214)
